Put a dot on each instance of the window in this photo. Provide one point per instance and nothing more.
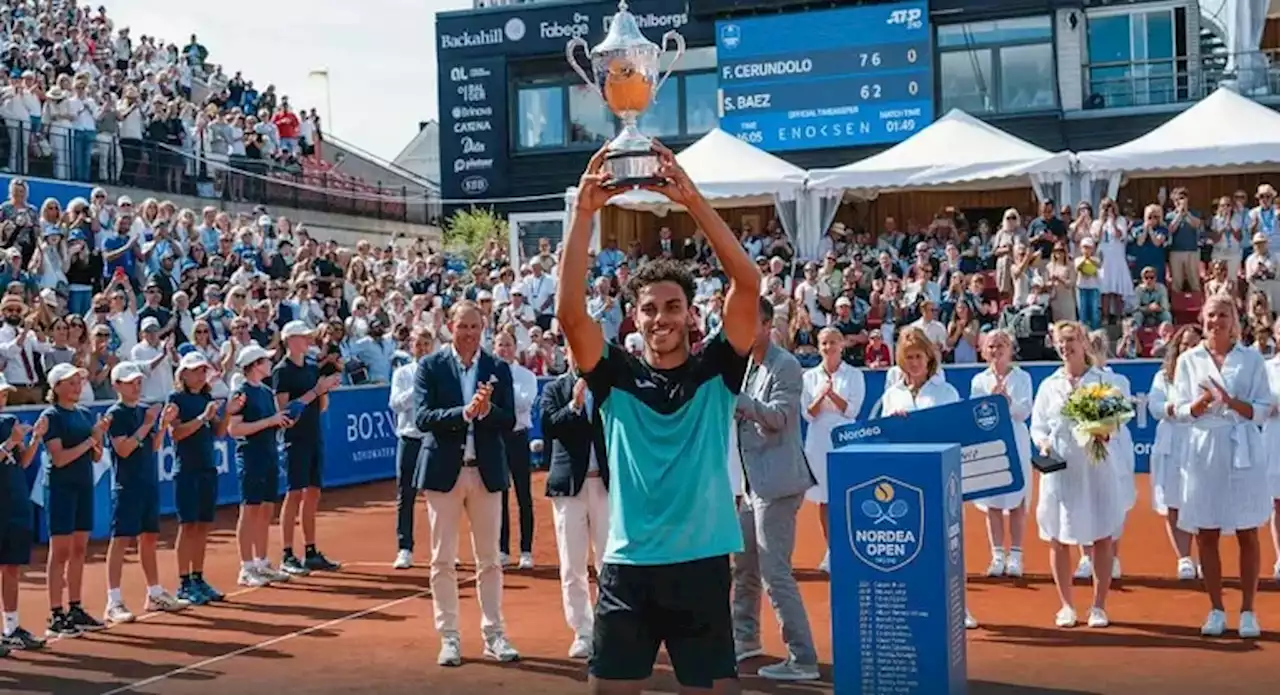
(1133, 58)
(566, 114)
(540, 117)
(999, 66)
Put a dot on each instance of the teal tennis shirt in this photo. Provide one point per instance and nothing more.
(667, 440)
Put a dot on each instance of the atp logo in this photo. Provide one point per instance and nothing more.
(885, 520)
(911, 18)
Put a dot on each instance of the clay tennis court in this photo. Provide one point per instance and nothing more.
(369, 628)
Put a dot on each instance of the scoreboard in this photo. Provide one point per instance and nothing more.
(830, 78)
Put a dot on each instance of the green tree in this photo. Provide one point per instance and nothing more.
(469, 231)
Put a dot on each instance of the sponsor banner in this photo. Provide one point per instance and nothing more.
(473, 127)
(545, 28)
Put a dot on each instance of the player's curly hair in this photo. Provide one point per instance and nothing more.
(662, 270)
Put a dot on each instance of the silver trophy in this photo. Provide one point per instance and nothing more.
(625, 66)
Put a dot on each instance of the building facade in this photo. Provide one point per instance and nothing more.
(822, 84)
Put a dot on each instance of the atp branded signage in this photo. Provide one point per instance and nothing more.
(544, 28)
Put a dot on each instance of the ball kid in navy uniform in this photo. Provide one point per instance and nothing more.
(297, 380)
(256, 424)
(73, 441)
(135, 435)
(195, 479)
(16, 530)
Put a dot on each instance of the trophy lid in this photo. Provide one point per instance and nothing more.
(623, 34)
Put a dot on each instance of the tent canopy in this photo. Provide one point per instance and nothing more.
(1222, 133)
(728, 172)
(957, 152)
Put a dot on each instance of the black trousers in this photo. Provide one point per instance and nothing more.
(406, 492)
(518, 461)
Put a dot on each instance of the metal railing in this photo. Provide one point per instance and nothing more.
(92, 158)
(1179, 80)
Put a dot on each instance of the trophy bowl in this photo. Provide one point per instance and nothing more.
(625, 73)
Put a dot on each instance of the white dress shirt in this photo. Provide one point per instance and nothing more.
(17, 372)
(525, 386)
(402, 385)
(468, 376)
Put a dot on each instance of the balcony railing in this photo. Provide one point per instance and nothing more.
(106, 160)
(1179, 80)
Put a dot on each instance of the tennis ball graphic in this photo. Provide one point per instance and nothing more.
(884, 493)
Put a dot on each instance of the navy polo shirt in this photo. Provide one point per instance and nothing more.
(72, 427)
(293, 381)
(259, 404)
(138, 469)
(195, 453)
(14, 494)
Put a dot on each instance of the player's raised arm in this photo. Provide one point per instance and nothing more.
(583, 334)
(742, 301)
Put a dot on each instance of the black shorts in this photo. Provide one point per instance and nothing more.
(135, 511)
(196, 496)
(305, 466)
(70, 509)
(15, 545)
(684, 606)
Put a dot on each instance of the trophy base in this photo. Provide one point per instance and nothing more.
(633, 169)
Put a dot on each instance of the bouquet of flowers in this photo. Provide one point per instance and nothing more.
(1096, 412)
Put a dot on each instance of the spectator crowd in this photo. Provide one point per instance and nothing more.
(82, 99)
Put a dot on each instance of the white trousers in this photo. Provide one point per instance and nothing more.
(582, 525)
(483, 510)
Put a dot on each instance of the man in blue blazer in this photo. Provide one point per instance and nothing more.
(463, 404)
(577, 484)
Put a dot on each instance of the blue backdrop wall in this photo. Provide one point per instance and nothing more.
(360, 441)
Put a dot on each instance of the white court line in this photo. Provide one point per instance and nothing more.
(277, 640)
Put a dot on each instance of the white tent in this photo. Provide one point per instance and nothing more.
(956, 152)
(1222, 133)
(728, 172)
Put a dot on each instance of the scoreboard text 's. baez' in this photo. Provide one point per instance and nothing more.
(830, 78)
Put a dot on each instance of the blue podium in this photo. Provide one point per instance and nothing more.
(897, 569)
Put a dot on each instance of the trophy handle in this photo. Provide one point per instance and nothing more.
(569, 52)
(675, 37)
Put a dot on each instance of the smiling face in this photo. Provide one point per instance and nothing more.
(662, 316)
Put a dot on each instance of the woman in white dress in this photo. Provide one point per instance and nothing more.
(920, 363)
(1221, 387)
(1111, 231)
(1122, 444)
(833, 393)
(1005, 378)
(1081, 504)
(1169, 452)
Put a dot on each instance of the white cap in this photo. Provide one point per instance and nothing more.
(295, 328)
(192, 360)
(252, 354)
(150, 323)
(64, 371)
(126, 371)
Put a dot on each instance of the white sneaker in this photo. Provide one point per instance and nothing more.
(450, 652)
(250, 578)
(1066, 617)
(970, 622)
(274, 575)
(1186, 569)
(1084, 570)
(1013, 565)
(498, 648)
(1115, 568)
(997, 566)
(1098, 618)
(581, 648)
(825, 565)
(526, 561)
(404, 560)
(503, 559)
(1215, 624)
(117, 614)
(1249, 627)
(165, 602)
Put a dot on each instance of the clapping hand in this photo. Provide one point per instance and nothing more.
(40, 428)
(580, 393)
(210, 411)
(153, 413)
(168, 416)
(100, 428)
(18, 432)
(237, 403)
(328, 383)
